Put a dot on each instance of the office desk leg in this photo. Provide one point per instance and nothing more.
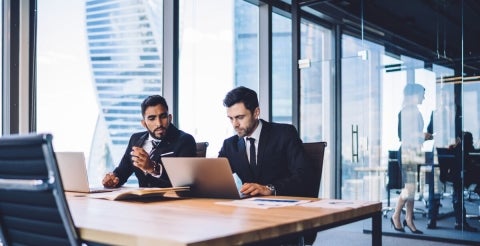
(377, 229)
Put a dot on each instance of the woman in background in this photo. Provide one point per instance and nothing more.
(412, 136)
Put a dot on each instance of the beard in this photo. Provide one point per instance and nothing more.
(160, 135)
(241, 132)
(248, 130)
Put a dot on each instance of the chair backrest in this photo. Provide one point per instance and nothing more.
(316, 151)
(33, 207)
(394, 171)
(472, 168)
(447, 162)
(202, 149)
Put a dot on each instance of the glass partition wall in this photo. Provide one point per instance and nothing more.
(90, 84)
(377, 84)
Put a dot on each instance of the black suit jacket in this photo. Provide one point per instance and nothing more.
(281, 160)
(180, 143)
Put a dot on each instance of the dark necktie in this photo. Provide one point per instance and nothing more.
(253, 155)
(155, 145)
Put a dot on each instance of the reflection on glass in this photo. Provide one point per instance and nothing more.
(316, 46)
(361, 121)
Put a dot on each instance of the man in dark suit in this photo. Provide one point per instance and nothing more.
(145, 149)
(274, 163)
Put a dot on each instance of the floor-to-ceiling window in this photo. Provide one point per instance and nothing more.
(361, 84)
(372, 97)
(218, 51)
(97, 61)
(316, 93)
(281, 69)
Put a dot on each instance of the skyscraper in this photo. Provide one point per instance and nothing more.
(125, 49)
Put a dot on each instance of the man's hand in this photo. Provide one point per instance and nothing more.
(254, 189)
(428, 136)
(141, 159)
(110, 180)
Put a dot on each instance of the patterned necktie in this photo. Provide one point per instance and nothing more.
(155, 145)
(253, 155)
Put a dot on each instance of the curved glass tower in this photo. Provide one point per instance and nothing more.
(125, 51)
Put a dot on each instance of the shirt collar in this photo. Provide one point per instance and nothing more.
(256, 134)
(150, 138)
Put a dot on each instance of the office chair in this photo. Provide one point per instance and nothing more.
(33, 207)
(447, 161)
(472, 175)
(451, 171)
(394, 177)
(202, 149)
(315, 151)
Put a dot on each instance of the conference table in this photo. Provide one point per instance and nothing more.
(202, 221)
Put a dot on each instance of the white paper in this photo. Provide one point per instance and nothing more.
(335, 204)
(264, 203)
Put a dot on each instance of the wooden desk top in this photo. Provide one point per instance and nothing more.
(196, 221)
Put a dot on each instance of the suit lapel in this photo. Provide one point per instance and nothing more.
(262, 145)
(141, 140)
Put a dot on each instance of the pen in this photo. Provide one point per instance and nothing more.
(341, 202)
(168, 153)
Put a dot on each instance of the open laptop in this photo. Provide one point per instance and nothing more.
(207, 177)
(73, 171)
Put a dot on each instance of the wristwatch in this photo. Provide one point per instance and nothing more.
(272, 189)
(157, 169)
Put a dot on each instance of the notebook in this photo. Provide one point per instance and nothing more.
(206, 177)
(73, 171)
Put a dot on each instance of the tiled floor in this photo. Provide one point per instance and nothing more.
(445, 235)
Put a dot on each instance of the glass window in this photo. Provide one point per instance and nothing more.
(281, 69)
(316, 47)
(218, 51)
(96, 63)
(315, 110)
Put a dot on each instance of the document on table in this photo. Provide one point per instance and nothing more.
(264, 203)
(135, 193)
(335, 204)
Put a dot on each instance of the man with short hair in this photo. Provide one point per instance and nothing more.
(145, 149)
(268, 157)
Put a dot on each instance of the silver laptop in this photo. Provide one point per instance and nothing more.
(207, 177)
(73, 171)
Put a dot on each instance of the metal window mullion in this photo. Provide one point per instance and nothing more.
(265, 60)
(296, 43)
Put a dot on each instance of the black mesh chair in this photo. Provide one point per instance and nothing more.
(33, 207)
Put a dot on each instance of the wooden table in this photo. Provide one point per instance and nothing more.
(202, 222)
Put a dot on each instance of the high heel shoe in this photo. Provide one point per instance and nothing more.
(394, 227)
(417, 231)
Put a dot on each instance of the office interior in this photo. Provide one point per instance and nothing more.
(334, 69)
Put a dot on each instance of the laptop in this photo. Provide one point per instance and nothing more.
(73, 171)
(207, 177)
